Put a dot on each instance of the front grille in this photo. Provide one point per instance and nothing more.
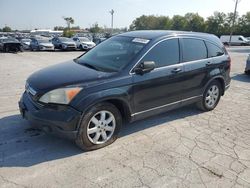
(71, 46)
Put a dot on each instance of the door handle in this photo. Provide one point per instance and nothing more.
(176, 70)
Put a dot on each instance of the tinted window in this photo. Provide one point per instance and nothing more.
(165, 53)
(213, 50)
(194, 49)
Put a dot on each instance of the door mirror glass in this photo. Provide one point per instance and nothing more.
(145, 67)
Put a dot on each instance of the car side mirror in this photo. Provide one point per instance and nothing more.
(145, 67)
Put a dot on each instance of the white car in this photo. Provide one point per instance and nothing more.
(83, 43)
(237, 40)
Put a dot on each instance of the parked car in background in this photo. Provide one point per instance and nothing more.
(10, 45)
(99, 40)
(83, 43)
(64, 43)
(25, 43)
(41, 44)
(237, 40)
(247, 69)
(128, 77)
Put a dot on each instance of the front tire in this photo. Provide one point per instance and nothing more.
(99, 127)
(211, 96)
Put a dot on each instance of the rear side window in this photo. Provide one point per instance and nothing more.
(194, 49)
(213, 50)
(165, 53)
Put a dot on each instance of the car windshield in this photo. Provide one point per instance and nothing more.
(10, 40)
(84, 39)
(43, 40)
(64, 39)
(25, 40)
(113, 54)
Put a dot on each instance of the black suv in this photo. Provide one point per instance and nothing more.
(128, 77)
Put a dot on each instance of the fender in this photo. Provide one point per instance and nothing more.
(90, 100)
(220, 78)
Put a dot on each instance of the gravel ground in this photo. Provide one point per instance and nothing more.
(181, 148)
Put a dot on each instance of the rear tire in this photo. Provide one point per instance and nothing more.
(94, 126)
(247, 72)
(211, 96)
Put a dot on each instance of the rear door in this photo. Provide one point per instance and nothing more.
(196, 67)
(157, 90)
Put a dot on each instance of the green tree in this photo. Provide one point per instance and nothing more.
(194, 22)
(178, 22)
(68, 33)
(59, 28)
(243, 26)
(95, 28)
(151, 22)
(216, 24)
(69, 20)
(6, 29)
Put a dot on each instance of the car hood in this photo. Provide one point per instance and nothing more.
(46, 44)
(11, 42)
(67, 43)
(26, 43)
(91, 43)
(64, 74)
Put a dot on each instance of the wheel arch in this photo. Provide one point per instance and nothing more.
(120, 103)
(220, 79)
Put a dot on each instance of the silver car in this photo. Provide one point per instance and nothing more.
(247, 69)
(41, 44)
(64, 43)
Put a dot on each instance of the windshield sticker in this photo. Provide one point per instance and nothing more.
(140, 40)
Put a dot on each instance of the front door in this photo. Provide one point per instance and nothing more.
(161, 88)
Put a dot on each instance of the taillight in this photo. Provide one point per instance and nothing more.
(229, 63)
(229, 58)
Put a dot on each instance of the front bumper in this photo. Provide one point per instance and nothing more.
(46, 48)
(58, 120)
(68, 47)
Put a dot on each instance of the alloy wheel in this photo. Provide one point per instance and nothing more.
(212, 96)
(101, 127)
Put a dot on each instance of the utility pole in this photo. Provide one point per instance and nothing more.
(234, 17)
(112, 19)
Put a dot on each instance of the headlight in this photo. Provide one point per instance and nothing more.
(64, 46)
(60, 96)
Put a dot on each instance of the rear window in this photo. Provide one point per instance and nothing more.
(194, 49)
(213, 50)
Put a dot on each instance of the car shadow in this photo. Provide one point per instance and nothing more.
(22, 146)
(241, 77)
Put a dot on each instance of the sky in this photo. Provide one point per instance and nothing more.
(45, 14)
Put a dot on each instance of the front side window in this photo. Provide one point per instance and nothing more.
(164, 54)
(194, 49)
(113, 54)
(213, 50)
